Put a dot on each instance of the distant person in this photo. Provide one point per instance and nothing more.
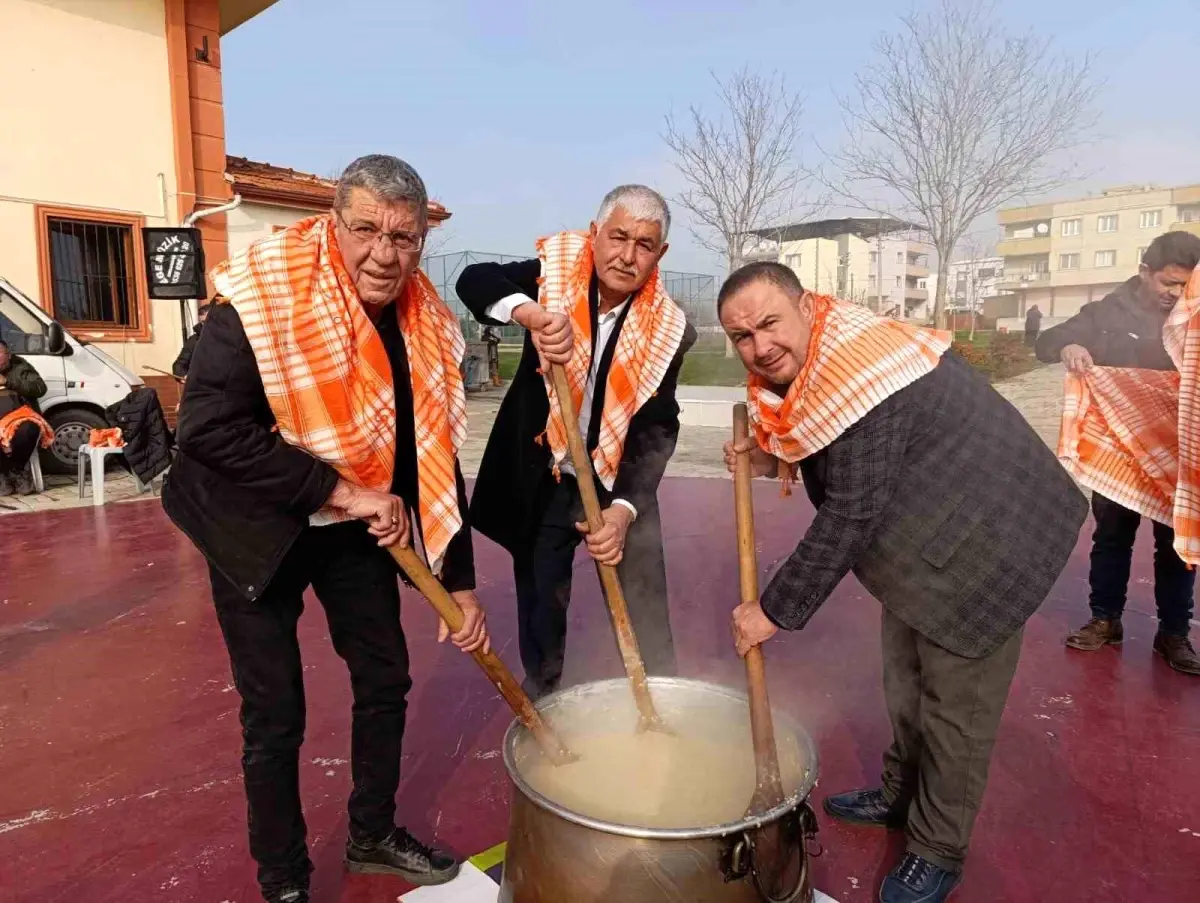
(594, 302)
(22, 427)
(184, 360)
(1033, 325)
(945, 504)
(1125, 329)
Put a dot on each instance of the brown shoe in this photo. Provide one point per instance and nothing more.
(1179, 653)
(1096, 634)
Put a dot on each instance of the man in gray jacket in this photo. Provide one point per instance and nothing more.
(945, 504)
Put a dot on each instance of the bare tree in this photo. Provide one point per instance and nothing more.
(741, 166)
(958, 116)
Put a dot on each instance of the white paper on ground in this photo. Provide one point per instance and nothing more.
(473, 886)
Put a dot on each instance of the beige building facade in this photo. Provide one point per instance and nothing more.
(1063, 254)
(882, 264)
(113, 121)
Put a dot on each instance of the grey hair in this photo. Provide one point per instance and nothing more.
(387, 178)
(639, 202)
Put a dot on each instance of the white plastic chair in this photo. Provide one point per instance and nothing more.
(35, 472)
(93, 456)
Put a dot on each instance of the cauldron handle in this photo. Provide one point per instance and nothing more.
(805, 828)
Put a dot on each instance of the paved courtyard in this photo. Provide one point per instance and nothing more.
(1037, 394)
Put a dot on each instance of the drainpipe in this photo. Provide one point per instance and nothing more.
(189, 221)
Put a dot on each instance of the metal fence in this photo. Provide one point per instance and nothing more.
(696, 293)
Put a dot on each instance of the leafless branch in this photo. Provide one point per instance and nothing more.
(956, 117)
(741, 167)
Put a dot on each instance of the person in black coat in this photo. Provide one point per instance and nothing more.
(20, 386)
(245, 497)
(1124, 329)
(184, 358)
(955, 515)
(517, 501)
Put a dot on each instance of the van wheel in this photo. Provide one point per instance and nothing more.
(72, 427)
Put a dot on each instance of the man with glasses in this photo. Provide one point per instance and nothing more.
(323, 409)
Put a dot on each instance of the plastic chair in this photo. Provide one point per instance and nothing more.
(35, 472)
(94, 456)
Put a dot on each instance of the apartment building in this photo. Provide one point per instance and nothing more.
(971, 283)
(878, 262)
(1063, 254)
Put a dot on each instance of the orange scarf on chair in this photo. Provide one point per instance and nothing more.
(24, 414)
(1134, 435)
(327, 376)
(646, 345)
(856, 360)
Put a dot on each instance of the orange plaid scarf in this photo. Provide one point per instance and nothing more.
(24, 414)
(327, 376)
(646, 345)
(856, 360)
(1134, 435)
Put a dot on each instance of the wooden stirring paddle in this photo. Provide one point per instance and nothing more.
(769, 789)
(501, 678)
(618, 609)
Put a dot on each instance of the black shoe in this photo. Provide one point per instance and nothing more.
(865, 807)
(402, 854)
(917, 880)
(288, 895)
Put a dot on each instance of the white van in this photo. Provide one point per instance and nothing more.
(81, 380)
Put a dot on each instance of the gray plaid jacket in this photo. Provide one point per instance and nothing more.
(948, 508)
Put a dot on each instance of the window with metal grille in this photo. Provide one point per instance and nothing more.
(92, 272)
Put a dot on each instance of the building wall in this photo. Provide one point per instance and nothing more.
(252, 221)
(1037, 267)
(96, 128)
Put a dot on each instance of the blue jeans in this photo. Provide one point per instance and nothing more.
(1112, 553)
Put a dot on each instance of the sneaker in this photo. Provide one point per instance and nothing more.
(917, 880)
(288, 895)
(402, 854)
(1096, 634)
(1178, 651)
(866, 807)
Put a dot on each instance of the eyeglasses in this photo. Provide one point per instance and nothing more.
(369, 235)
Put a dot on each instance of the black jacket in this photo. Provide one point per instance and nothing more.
(948, 508)
(509, 490)
(240, 492)
(23, 380)
(184, 360)
(1119, 330)
(148, 441)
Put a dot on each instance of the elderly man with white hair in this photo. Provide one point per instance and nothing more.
(594, 302)
(323, 414)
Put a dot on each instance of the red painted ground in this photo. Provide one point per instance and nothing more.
(119, 774)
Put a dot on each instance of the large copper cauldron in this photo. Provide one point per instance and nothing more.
(559, 856)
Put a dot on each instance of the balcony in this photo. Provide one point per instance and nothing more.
(915, 294)
(1015, 280)
(917, 270)
(1021, 247)
(760, 252)
(1193, 227)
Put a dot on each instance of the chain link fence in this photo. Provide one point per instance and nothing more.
(696, 293)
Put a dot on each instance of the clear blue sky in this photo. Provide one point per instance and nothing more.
(521, 114)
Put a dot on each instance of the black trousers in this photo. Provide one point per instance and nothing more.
(543, 578)
(356, 583)
(1112, 556)
(24, 441)
(945, 711)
